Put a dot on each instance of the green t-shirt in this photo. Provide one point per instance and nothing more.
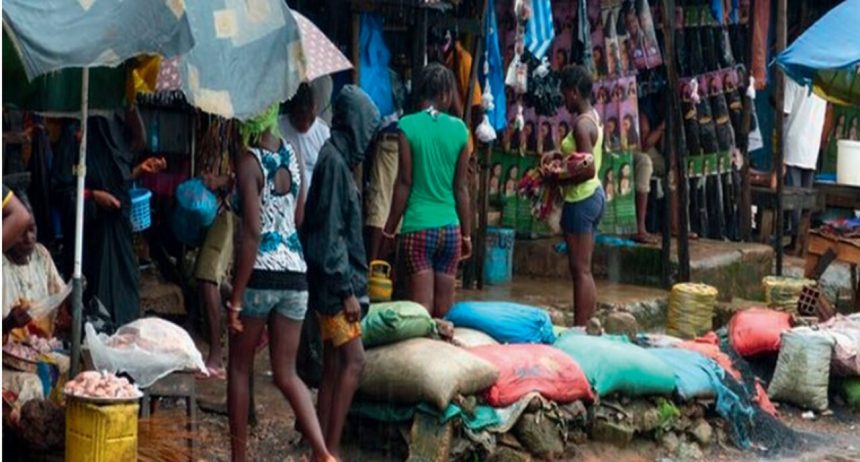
(436, 141)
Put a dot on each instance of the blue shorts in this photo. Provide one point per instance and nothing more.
(583, 217)
(291, 304)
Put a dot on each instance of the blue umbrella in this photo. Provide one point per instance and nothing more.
(826, 56)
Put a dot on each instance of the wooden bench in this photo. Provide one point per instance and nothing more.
(805, 200)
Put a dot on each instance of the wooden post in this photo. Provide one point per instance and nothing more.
(778, 154)
(483, 209)
(474, 267)
(676, 137)
(745, 205)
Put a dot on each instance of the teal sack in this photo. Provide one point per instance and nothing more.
(395, 321)
(614, 366)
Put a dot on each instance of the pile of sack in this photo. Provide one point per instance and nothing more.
(809, 358)
(503, 353)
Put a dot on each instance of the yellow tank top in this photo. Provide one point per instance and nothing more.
(584, 190)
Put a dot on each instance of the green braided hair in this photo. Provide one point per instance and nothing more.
(251, 130)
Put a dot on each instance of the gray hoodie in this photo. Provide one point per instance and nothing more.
(332, 230)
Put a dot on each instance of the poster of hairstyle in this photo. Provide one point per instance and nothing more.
(610, 40)
(601, 98)
(653, 57)
(611, 128)
(529, 135)
(629, 115)
(707, 128)
(564, 22)
(546, 134)
(691, 118)
(562, 126)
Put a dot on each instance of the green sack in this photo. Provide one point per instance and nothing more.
(395, 321)
(614, 366)
(851, 391)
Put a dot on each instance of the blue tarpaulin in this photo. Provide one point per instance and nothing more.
(827, 55)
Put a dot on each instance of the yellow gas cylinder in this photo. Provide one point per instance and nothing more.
(379, 284)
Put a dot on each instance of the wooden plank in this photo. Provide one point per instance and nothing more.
(846, 251)
(429, 441)
(778, 153)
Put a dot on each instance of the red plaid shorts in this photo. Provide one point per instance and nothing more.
(436, 249)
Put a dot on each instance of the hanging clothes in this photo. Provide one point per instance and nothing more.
(760, 30)
(583, 34)
(373, 64)
(494, 73)
(539, 28)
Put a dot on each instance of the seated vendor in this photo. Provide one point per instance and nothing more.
(29, 276)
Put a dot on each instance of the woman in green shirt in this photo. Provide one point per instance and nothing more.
(584, 202)
(432, 193)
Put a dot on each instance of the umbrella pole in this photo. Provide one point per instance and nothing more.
(77, 284)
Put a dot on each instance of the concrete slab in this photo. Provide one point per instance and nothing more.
(734, 268)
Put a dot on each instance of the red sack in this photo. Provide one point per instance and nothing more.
(757, 330)
(533, 368)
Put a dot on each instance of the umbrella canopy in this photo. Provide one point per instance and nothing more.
(247, 56)
(322, 56)
(826, 56)
(50, 35)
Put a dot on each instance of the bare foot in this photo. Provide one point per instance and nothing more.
(645, 238)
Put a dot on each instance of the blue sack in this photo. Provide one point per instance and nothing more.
(505, 322)
(196, 208)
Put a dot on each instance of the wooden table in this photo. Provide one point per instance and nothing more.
(844, 250)
(805, 200)
(181, 384)
(840, 195)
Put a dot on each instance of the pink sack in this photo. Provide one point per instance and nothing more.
(846, 351)
(757, 330)
(524, 369)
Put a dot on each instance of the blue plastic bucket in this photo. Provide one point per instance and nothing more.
(141, 217)
(499, 259)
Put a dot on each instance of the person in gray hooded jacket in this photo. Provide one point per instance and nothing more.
(337, 263)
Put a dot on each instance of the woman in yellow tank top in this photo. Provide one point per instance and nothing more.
(584, 202)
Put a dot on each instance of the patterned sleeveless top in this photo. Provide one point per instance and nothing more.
(280, 249)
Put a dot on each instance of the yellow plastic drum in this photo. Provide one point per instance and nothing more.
(101, 432)
(380, 287)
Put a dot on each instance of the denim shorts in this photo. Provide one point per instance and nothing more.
(583, 217)
(259, 303)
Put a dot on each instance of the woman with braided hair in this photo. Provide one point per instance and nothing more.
(432, 194)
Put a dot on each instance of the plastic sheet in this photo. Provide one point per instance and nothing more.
(147, 349)
(691, 310)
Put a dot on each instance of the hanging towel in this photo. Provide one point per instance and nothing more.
(583, 34)
(374, 78)
(495, 70)
(539, 30)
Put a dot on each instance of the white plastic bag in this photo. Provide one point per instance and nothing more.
(147, 349)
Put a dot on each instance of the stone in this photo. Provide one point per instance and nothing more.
(689, 451)
(702, 432)
(574, 411)
(617, 433)
(594, 327)
(621, 323)
(506, 454)
(539, 435)
(645, 416)
(670, 442)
